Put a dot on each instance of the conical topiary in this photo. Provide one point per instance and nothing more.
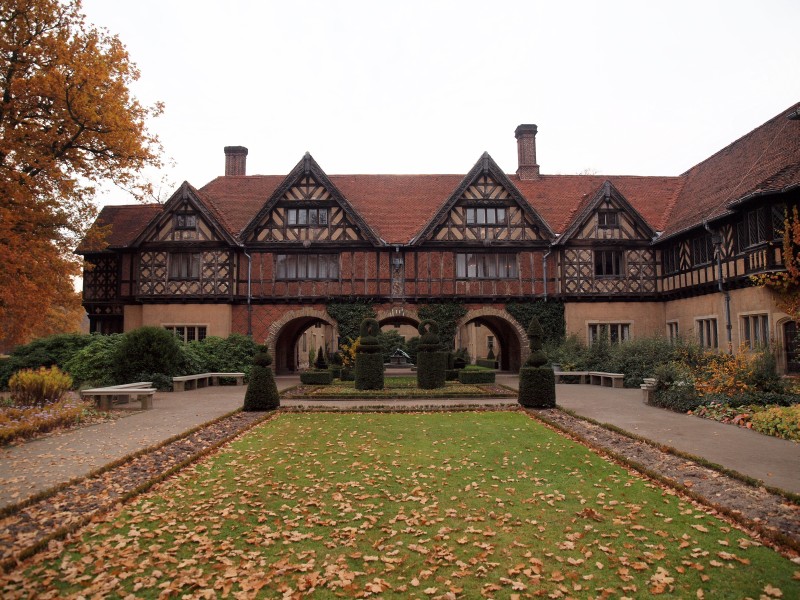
(369, 358)
(320, 363)
(537, 383)
(262, 393)
(431, 361)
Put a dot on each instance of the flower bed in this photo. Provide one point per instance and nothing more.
(22, 423)
(777, 421)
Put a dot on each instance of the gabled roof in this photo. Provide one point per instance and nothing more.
(605, 192)
(187, 193)
(485, 165)
(308, 166)
(766, 160)
(124, 224)
(561, 198)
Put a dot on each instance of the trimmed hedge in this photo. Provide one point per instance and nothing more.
(476, 376)
(680, 398)
(486, 363)
(347, 374)
(537, 387)
(451, 374)
(336, 371)
(431, 370)
(316, 377)
(262, 393)
(369, 371)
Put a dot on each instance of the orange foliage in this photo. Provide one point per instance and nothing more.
(67, 122)
(786, 284)
(722, 373)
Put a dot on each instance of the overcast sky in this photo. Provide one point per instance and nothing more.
(641, 88)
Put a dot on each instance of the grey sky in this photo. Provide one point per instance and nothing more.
(644, 88)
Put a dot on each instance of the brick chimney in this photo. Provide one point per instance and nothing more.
(526, 152)
(235, 160)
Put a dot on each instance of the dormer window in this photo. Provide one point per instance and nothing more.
(184, 221)
(607, 219)
(306, 217)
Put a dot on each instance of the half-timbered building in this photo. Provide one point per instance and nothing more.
(629, 256)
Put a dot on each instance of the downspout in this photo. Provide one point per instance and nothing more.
(249, 295)
(544, 271)
(716, 240)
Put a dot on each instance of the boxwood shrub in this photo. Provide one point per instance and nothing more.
(431, 370)
(262, 392)
(486, 363)
(537, 387)
(369, 371)
(476, 375)
(451, 374)
(316, 377)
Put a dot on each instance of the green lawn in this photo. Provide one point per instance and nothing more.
(444, 505)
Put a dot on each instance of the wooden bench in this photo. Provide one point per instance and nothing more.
(616, 380)
(583, 375)
(192, 382)
(104, 397)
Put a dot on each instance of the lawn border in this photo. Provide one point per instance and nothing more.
(62, 532)
(773, 538)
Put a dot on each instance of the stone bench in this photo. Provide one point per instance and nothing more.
(583, 375)
(192, 382)
(616, 380)
(104, 397)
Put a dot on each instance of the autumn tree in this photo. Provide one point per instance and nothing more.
(68, 121)
(786, 284)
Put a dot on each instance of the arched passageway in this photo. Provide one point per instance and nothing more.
(291, 348)
(487, 327)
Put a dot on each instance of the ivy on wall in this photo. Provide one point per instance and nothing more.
(549, 312)
(446, 314)
(348, 317)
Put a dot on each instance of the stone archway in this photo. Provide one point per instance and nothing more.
(284, 333)
(511, 335)
(398, 314)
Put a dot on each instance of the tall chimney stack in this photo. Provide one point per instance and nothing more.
(235, 160)
(526, 152)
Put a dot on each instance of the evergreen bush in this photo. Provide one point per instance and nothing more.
(486, 363)
(431, 361)
(320, 363)
(369, 358)
(148, 350)
(476, 375)
(336, 371)
(93, 365)
(537, 387)
(45, 352)
(451, 374)
(537, 383)
(316, 377)
(262, 393)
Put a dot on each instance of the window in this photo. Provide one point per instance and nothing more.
(305, 217)
(613, 332)
(707, 333)
(307, 266)
(672, 331)
(184, 265)
(607, 219)
(188, 333)
(671, 256)
(607, 263)
(702, 250)
(486, 216)
(486, 266)
(185, 221)
(755, 331)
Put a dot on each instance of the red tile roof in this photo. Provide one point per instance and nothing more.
(397, 207)
(765, 160)
(126, 223)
